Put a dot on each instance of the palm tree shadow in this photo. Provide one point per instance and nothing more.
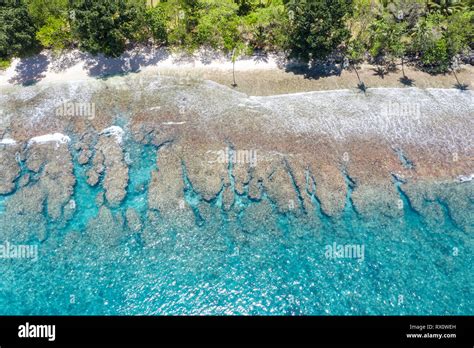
(362, 87)
(261, 57)
(458, 84)
(406, 81)
(379, 71)
(461, 86)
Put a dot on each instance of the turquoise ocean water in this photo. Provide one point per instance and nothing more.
(219, 267)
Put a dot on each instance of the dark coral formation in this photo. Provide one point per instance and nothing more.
(310, 156)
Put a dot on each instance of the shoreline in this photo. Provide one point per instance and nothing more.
(255, 76)
(321, 167)
(321, 134)
(317, 133)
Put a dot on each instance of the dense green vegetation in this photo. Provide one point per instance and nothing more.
(17, 31)
(432, 33)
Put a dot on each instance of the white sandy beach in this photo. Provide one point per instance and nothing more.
(257, 75)
(75, 65)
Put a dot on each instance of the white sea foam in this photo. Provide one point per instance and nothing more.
(170, 123)
(114, 131)
(465, 178)
(7, 141)
(342, 114)
(58, 138)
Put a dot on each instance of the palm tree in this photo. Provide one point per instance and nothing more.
(234, 58)
(237, 51)
(447, 7)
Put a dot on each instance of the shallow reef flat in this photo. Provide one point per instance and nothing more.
(195, 191)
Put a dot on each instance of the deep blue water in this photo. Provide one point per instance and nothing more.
(222, 267)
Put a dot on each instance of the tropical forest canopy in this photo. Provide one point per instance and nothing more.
(429, 32)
